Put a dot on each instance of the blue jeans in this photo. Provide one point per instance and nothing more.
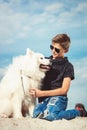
(53, 108)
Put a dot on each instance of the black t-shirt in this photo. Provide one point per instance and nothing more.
(60, 69)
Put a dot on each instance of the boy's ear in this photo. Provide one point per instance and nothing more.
(66, 51)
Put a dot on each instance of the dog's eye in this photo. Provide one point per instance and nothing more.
(41, 58)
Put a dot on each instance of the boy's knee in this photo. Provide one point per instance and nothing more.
(50, 116)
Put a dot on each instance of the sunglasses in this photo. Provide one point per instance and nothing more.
(56, 49)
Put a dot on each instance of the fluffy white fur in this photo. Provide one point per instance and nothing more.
(23, 73)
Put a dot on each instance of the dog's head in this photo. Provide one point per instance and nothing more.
(44, 63)
(38, 60)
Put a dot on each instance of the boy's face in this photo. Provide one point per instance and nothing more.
(57, 50)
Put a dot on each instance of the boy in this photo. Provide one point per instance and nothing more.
(53, 96)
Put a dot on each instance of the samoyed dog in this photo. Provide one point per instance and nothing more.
(26, 71)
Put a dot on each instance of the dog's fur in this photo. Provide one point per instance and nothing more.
(24, 73)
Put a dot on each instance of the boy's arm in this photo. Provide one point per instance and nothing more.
(59, 91)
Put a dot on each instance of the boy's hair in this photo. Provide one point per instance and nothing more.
(63, 40)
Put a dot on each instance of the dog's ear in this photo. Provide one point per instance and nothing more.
(29, 52)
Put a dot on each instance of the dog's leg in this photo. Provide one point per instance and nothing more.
(31, 109)
(17, 106)
(17, 111)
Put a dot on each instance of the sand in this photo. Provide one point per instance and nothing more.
(79, 123)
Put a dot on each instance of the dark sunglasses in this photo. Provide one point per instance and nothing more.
(56, 49)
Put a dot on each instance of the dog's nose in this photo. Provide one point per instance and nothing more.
(47, 58)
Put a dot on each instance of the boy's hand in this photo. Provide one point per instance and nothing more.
(35, 92)
(32, 92)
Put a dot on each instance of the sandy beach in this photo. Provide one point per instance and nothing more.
(79, 123)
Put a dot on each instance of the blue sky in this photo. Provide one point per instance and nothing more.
(33, 23)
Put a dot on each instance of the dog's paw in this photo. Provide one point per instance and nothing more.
(3, 115)
(17, 116)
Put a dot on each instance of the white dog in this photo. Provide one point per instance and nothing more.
(26, 71)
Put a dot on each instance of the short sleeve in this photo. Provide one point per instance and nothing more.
(69, 71)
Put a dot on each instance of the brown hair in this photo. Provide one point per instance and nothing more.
(63, 40)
